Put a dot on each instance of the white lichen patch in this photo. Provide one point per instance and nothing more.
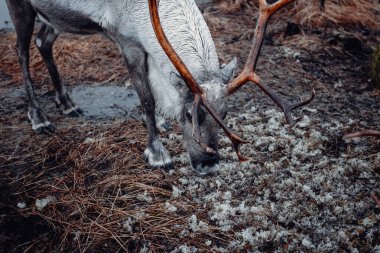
(170, 208)
(185, 249)
(176, 192)
(21, 205)
(301, 191)
(196, 225)
(128, 224)
(42, 203)
(144, 197)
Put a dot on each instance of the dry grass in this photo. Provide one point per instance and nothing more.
(80, 58)
(346, 13)
(105, 195)
(229, 6)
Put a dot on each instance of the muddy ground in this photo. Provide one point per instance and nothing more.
(304, 189)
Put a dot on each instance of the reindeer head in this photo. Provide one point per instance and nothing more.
(204, 107)
(203, 156)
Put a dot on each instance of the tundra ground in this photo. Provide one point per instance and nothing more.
(86, 187)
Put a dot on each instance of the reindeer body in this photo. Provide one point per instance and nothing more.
(128, 24)
(181, 32)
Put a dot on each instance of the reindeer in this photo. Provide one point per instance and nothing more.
(176, 73)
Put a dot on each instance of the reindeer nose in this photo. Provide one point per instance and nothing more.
(206, 167)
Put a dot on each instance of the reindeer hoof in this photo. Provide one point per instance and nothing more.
(207, 170)
(74, 112)
(158, 157)
(45, 129)
(50, 128)
(39, 122)
(67, 106)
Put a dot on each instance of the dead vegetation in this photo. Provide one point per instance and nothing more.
(304, 190)
(98, 193)
(87, 55)
(311, 14)
(345, 13)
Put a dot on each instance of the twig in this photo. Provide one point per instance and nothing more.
(376, 199)
(367, 133)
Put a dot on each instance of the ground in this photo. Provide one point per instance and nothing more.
(86, 188)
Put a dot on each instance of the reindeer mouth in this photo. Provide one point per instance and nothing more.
(207, 166)
(207, 170)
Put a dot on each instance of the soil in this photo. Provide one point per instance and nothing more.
(304, 189)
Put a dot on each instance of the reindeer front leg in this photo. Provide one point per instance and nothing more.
(155, 153)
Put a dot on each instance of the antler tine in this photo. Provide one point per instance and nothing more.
(236, 140)
(196, 130)
(200, 97)
(248, 73)
(273, 8)
(266, 12)
(285, 107)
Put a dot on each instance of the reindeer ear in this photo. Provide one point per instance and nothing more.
(229, 70)
(175, 79)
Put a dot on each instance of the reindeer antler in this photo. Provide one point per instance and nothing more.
(200, 97)
(249, 74)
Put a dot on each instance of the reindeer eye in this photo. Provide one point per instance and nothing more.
(201, 115)
(189, 116)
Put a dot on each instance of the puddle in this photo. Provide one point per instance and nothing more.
(105, 102)
(97, 101)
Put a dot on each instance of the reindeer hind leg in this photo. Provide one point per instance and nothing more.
(23, 17)
(44, 42)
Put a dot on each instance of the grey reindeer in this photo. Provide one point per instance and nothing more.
(171, 58)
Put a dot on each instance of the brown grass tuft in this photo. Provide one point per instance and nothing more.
(346, 13)
(229, 6)
(80, 58)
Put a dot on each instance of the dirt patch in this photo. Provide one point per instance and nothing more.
(305, 189)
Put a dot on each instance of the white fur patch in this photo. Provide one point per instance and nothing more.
(168, 101)
(37, 126)
(43, 20)
(213, 90)
(29, 117)
(38, 42)
(106, 20)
